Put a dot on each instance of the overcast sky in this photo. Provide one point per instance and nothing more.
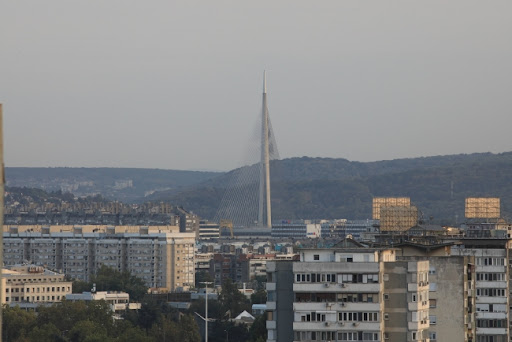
(177, 84)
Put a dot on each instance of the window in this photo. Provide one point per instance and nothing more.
(386, 296)
(433, 303)
(316, 257)
(386, 316)
(432, 335)
(433, 320)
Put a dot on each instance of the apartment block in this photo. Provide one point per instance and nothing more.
(452, 284)
(163, 258)
(492, 289)
(348, 294)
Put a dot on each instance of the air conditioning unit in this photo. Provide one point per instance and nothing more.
(342, 323)
(342, 303)
(355, 324)
(326, 285)
(343, 285)
(327, 324)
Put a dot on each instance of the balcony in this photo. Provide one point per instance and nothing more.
(491, 300)
(336, 326)
(490, 315)
(271, 305)
(271, 325)
(415, 287)
(336, 287)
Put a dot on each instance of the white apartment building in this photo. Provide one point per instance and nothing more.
(348, 294)
(492, 258)
(164, 259)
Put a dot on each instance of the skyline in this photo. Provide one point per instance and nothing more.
(173, 86)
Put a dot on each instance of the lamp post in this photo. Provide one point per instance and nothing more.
(206, 283)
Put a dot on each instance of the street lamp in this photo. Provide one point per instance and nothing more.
(206, 283)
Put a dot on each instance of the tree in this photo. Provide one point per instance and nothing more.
(259, 297)
(258, 330)
(16, 323)
(63, 315)
(189, 329)
(80, 286)
(45, 333)
(203, 276)
(109, 279)
(232, 300)
(88, 331)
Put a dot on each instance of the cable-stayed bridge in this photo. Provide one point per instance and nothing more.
(247, 200)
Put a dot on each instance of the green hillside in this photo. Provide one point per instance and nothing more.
(307, 188)
(314, 188)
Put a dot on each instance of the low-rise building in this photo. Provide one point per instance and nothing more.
(118, 301)
(30, 284)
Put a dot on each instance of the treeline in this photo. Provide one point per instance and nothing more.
(156, 321)
(94, 322)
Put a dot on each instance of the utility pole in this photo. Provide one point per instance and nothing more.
(206, 283)
(2, 181)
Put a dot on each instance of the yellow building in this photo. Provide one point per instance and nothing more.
(33, 284)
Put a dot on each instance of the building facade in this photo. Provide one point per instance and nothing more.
(348, 294)
(30, 284)
(164, 259)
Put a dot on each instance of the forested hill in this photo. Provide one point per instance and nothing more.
(309, 188)
(337, 188)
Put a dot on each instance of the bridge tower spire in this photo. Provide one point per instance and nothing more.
(265, 212)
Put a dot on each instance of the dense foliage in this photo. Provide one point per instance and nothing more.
(109, 279)
(155, 321)
(94, 321)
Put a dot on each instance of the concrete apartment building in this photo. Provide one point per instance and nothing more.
(348, 294)
(492, 289)
(30, 285)
(189, 222)
(452, 283)
(161, 256)
(208, 230)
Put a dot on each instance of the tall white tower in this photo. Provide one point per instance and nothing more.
(265, 212)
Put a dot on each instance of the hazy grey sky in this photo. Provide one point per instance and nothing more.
(177, 84)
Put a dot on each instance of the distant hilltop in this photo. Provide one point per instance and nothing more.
(308, 188)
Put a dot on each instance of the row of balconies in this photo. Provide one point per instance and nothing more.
(337, 287)
(336, 325)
